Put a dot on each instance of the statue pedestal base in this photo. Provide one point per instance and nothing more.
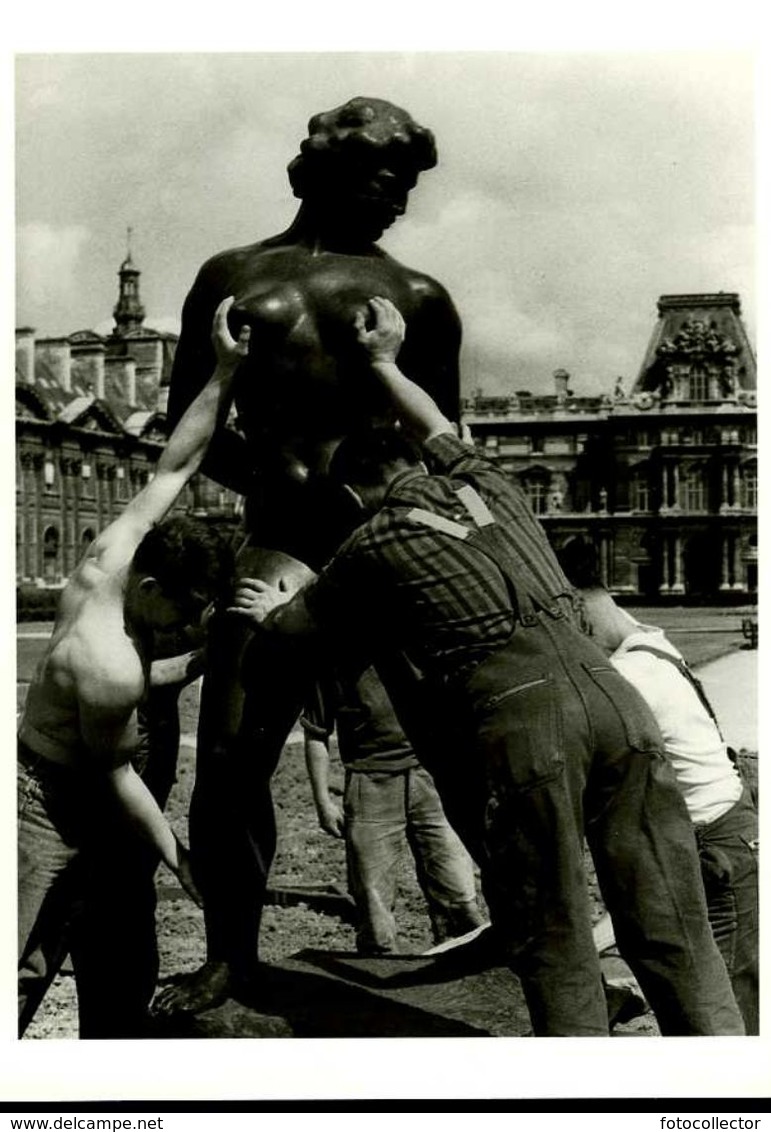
(321, 994)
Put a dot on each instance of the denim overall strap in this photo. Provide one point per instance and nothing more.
(482, 534)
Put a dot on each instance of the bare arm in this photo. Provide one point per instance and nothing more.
(330, 815)
(182, 669)
(108, 728)
(144, 814)
(415, 408)
(184, 451)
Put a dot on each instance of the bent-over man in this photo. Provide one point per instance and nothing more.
(551, 743)
(725, 820)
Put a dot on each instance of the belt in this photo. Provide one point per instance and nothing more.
(36, 762)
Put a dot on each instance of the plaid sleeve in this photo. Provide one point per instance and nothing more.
(335, 598)
(448, 455)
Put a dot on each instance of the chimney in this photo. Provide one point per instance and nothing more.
(121, 379)
(561, 379)
(25, 354)
(163, 399)
(90, 366)
(56, 353)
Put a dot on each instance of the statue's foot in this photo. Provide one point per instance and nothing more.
(200, 990)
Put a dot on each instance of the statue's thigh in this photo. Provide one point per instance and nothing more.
(246, 664)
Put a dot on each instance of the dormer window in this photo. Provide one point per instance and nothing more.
(698, 385)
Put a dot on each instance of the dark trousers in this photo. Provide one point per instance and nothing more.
(55, 840)
(86, 885)
(562, 747)
(113, 942)
(728, 853)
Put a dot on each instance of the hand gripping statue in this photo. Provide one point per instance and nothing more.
(299, 292)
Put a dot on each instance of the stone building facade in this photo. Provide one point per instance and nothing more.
(662, 479)
(90, 425)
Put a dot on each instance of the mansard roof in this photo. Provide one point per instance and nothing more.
(698, 329)
(89, 413)
(30, 406)
(149, 424)
(49, 391)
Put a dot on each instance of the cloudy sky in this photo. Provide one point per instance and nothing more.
(572, 188)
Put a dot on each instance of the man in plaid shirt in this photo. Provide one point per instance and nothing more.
(535, 741)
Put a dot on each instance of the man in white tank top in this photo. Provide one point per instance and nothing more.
(725, 820)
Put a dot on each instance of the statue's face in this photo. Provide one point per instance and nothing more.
(369, 191)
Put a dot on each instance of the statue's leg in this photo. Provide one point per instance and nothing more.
(252, 694)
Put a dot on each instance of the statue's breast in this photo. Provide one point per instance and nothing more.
(306, 382)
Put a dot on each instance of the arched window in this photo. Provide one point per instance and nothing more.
(51, 554)
(86, 538)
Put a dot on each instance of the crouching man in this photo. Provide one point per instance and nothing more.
(141, 575)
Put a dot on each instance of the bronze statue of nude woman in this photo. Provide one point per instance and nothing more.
(299, 292)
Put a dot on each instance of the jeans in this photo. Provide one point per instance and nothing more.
(728, 853)
(384, 812)
(561, 746)
(98, 905)
(55, 808)
(113, 945)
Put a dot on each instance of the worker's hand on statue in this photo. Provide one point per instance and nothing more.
(331, 819)
(256, 599)
(185, 874)
(383, 338)
(229, 351)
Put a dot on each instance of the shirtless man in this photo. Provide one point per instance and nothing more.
(79, 726)
(301, 289)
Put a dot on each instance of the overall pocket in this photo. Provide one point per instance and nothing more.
(628, 707)
(519, 734)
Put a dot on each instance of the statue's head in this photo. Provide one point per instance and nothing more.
(360, 161)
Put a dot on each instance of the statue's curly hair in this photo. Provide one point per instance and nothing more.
(359, 127)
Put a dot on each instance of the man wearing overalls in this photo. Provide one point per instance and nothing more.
(534, 740)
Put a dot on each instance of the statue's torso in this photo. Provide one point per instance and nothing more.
(306, 384)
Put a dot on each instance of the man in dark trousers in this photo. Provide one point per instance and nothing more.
(552, 744)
